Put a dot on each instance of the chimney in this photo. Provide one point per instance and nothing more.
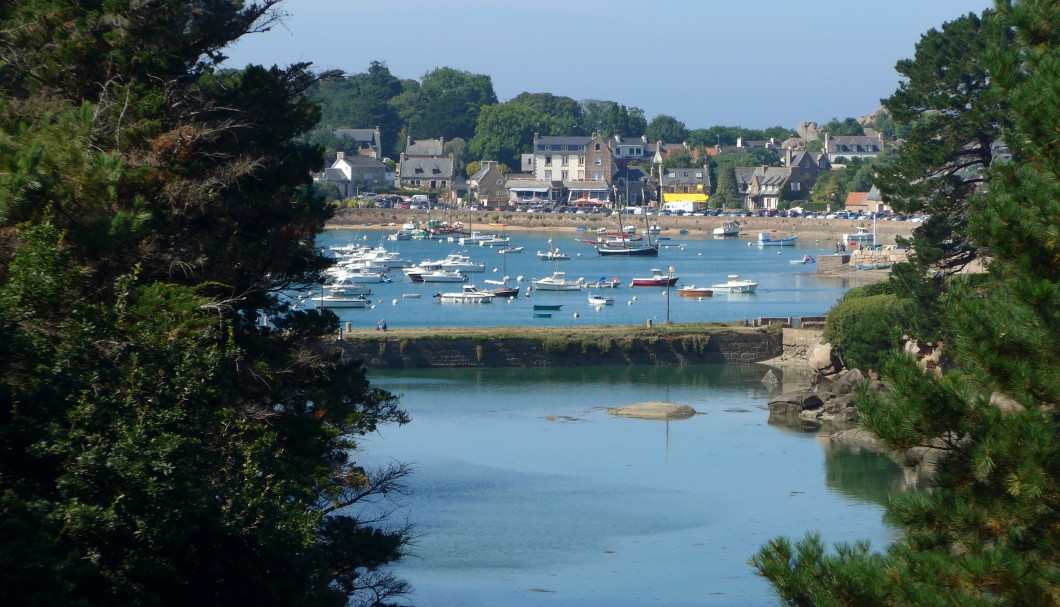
(787, 157)
(340, 155)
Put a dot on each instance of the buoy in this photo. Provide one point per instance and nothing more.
(634, 298)
(577, 315)
(394, 302)
(629, 303)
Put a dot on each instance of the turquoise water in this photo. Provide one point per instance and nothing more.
(527, 493)
(784, 289)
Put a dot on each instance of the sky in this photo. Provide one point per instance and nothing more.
(747, 63)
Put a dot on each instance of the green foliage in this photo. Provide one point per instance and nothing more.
(986, 533)
(160, 448)
(862, 330)
(885, 287)
(667, 129)
(505, 131)
(608, 118)
(845, 127)
(448, 103)
(956, 114)
(565, 115)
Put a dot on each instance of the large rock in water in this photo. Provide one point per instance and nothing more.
(654, 410)
(821, 359)
(791, 404)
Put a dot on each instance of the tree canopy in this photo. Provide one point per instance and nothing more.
(986, 531)
(160, 446)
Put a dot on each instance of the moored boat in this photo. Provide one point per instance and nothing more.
(604, 283)
(340, 297)
(558, 282)
(862, 237)
(728, 228)
(601, 300)
(469, 294)
(694, 291)
(657, 279)
(765, 239)
(735, 284)
(550, 307)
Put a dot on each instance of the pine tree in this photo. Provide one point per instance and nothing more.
(158, 446)
(986, 532)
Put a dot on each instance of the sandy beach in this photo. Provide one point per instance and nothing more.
(826, 232)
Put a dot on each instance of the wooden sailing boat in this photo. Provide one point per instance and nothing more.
(627, 248)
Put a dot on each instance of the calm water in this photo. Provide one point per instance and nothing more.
(528, 494)
(784, 289)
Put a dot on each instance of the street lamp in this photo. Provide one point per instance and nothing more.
(669, 279)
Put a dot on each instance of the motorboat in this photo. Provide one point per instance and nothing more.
(601, 300)
(657, 279)
(553, 254)
(469, 294)
(442, 276)
(862, 237)
(805, 259)
(495, 241)
(694, 291)
(728, 228)
(735, 284)
(604, 283)
(548, 307)
(461, 262)
(476, 238)
(340, 297)
(765, 239)
(507, 250)
(558, 282)
(347, 275)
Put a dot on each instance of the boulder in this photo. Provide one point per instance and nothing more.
(794, 403)
(821, 359)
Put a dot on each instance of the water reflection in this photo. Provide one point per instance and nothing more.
(525, 484)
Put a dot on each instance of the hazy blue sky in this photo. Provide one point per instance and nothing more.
(750, 63)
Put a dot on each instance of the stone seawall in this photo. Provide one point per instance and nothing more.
(395, 351)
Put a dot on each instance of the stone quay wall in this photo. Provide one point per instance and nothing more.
(392, 350)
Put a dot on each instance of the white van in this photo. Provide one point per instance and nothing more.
(419, 198)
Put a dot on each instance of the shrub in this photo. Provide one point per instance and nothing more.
(863, 330)
(877, 288)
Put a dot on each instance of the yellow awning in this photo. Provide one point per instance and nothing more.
(684, 196)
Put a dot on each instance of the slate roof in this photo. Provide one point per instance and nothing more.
(426, 168)
(685, 176)
(762, 176)
(854, 144)
(362, 162)
(556, 144)
(358, 135)
(424, 147)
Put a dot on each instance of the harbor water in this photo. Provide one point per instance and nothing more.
(785, 289)
(526, 492)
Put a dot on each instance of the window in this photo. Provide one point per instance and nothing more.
(699, 174)
(548, 161)
(548, 175)
(598, 176)
(597, 160)
(796, 186)
(564, 175)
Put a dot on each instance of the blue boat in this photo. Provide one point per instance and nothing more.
(547, 306)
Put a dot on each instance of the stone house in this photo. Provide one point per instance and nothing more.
(841, 148)
(354, 175)
(422, 166)
(488, 185)
(762, 187)
(368, 142)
